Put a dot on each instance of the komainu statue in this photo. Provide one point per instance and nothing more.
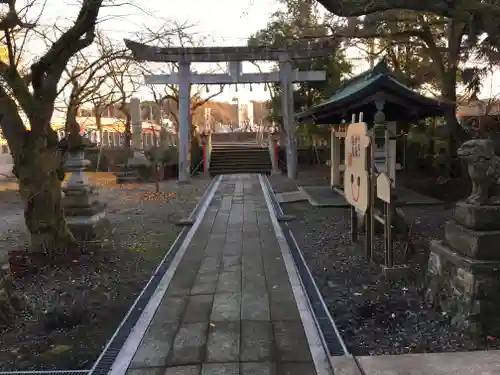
(484, 171)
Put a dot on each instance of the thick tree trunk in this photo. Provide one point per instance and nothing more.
(454, 136)
(40, 171)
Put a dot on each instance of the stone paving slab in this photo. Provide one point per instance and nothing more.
(456, 363)
(230, 308)
(324, 196)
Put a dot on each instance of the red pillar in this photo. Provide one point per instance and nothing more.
(276, 155)
(205, 166)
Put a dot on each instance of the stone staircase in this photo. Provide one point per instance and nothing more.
(239, 157)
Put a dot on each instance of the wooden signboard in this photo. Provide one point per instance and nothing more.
(356, 181)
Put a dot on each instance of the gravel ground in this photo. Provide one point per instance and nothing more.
(72, 313)
(374, 316)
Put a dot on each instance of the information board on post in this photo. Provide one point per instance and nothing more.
(384, 187)
(356, 181)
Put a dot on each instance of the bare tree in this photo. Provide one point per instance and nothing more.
(33, 91)
(168, 99)
(90, 81)
(168, 96)
(480, 16)
(125, 77)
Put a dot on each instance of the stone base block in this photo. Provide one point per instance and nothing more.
(477, 217)
(89, 229)
(482, 245)
(467, 289)
(184, 182)
(399, 272)
(138, 160)
(134, 174)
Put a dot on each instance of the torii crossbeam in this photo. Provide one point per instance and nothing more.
(235, 56)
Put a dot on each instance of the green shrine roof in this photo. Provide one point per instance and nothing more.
(359, 93)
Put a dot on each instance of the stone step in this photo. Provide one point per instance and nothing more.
(240, 160)
(243, 171)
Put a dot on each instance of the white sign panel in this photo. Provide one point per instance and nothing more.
(384, 187)
(356, 186)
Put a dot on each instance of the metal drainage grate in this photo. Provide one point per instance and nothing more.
(108, 356)
(104, 362)
(332, 337)
(49, 372)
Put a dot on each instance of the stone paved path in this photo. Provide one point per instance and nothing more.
(229, 308)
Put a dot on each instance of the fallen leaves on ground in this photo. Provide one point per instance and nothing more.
(97, 293)
(101, 179)
(147, 196)
(160, 196)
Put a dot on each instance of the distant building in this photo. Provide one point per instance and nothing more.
(481, 115)
(261, 114)
(479, 107)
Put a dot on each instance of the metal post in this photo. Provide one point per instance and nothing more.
(387, 151)
(184, 126)
(386, 230)
(354, 224)
(288, 116)
(276, 154)
(388, 236)
(334, 159)
(370, 219)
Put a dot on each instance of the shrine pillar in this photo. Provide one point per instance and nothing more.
(184, 125)
(289, 116)
(390, 148)
(334, 158)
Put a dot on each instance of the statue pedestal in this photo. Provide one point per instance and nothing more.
(131, 172)
(463, 274)
(85, 214)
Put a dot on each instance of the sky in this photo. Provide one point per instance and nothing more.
(216, 22)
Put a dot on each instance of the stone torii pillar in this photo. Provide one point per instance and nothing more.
(288, 112)
(184, 125)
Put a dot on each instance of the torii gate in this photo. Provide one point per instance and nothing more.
(234, 56)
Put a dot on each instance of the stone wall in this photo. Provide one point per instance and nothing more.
(463, 277)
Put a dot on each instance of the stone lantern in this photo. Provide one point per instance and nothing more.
(274, 148)
(206, 149)
(85, 213)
